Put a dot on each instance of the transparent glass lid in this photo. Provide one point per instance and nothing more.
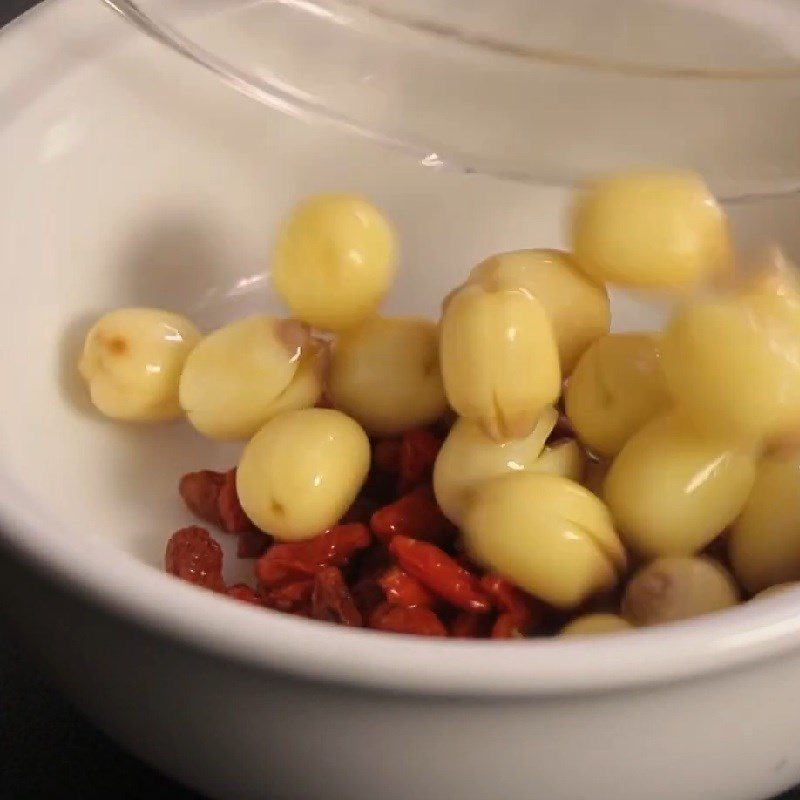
(542, 91)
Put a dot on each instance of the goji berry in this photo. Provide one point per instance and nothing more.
(418, 451)
(416, 620)
(232, 517)
(415, 515)
(400, 589)
(361, 511)
(373, 561)
(380, 486)
(443, 425)
(331, 600)
(465, 561)
(440, 573)
(324, 401)
(468, 625)
(290, 561)
(386, 455)
(292, 598)
(200, 491)
(252, 544)
(508, 626)
(506, 596)
(367, 595)
(562, 430)
(519, 612)
(242, 592)
(194, 556)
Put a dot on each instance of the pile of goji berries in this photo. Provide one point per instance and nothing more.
(393, 563)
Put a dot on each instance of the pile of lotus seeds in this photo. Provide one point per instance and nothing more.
(673, 486)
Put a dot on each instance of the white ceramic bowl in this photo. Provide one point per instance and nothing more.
(130, 177)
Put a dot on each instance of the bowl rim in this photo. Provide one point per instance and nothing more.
(119, 583)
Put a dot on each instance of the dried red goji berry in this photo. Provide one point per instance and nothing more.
(562, 430)
(508, 626)
(415, 515)
(242, 592)
(194, 556)
(401, 589)
(253, 544)
(440, 573)
(331, 600)
(465, 561)
(418, 451)
(442, 426)
(290, 561)
(367, 595)
(386, 455)
(416, 620)
(506, 596)
(468, 625)
(232, 517)
(200, 491)
(519, 612)
(373, 561)
(361, 511)
(324, 401)
(292, 598)
(380, 486)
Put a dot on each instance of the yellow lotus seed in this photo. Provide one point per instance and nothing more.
(301, 472)
(132, 360)
(334, 260)
(650, 229)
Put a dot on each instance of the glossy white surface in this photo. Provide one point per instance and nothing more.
(130, 178)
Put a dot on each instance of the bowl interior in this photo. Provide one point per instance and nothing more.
(136, 179)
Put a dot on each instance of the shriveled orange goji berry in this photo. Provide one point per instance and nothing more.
(242, 592)
(508, 626)
(367, 595)
(253, 544)
(415, 515)
(519, 612)
(331, 600)
(440, 573)
(324, 401)
(193, 555)
(292, 598)
(508, 597)
(386, 455)
(401, 589)
(468, 625)
(563, 429)
(232, 517)
(289, 561)
(200, 491)
(444, 424)
(373, 561)
(418, 451)
(416, 620)
(361, 511)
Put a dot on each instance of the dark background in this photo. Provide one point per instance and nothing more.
(47, 750)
